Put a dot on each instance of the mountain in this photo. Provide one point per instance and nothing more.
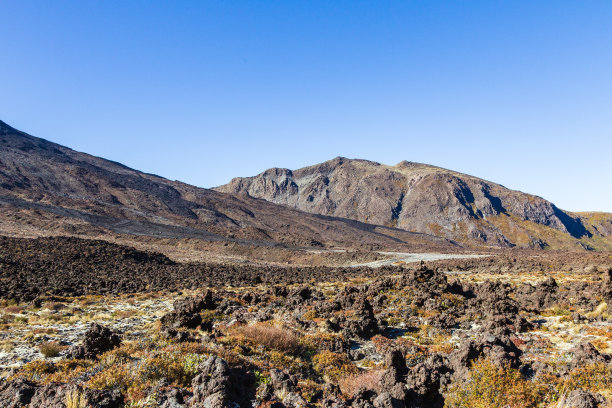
(51, 189)
(428, 199)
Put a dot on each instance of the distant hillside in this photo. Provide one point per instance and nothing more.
(53, 189)
(428, 199)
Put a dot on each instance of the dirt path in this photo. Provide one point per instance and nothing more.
(405, 257)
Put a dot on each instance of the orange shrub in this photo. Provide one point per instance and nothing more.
(368, 380)
(489, 386)
(271, 337)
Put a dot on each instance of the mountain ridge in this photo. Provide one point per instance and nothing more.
(44, 181)
(425, 198)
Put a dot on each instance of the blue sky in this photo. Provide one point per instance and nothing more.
(516, 92)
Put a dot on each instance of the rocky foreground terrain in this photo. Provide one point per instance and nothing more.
(507, 330)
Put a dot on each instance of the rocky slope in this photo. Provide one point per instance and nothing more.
(52, 189)
(424, 198)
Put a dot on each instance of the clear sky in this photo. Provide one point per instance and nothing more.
(516, 92)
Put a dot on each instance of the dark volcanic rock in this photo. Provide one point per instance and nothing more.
(219, 386)
(187, 311)
(212, 386)
(586, 353)
(501, 351)
(97, 340)
(17, 394)
(581, 399)
(22, 393)
(425, 381)
(543, 295)
(606, 287)
(363, 324)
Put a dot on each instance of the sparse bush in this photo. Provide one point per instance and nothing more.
(333, 365)
(115, 377)
(490, 386)
(50, 349)
(14, 309)
(272, 337)
(35, 370)
(368, 380)
(177, 368)
(593, 377)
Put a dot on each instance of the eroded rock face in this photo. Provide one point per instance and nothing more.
(408, 195)
(97, 340)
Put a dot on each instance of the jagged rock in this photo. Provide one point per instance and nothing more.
(363, 399)
(211, 388)
(442, 321)
(581, 399)
(424, 381)
(97, 340)
(177, 335)
(386, 400)
(171, 398)
(186, 311)
(542, 295)
(501, 351)
(586, 353)
(22, 393)
(392, 379)
(282, 382)
(516, 324)
(218, 385)
(17, 394)
(607, 287)
(364, 324)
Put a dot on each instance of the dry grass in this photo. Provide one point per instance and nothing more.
(75, 399)
(50, 349)
(489, 386)
(271, 337)
(368, 380)
(14, 309)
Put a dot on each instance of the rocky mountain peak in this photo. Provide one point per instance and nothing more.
(420, 198)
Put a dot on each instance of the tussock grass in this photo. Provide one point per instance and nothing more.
(271, 337)
(50, 349)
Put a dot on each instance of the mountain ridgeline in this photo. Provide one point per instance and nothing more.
(423, 198)
(48, 189)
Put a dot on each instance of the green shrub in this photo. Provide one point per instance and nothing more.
(50, 349)
(490, 386)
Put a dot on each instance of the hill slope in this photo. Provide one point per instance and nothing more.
(424, 198)
(52, 188)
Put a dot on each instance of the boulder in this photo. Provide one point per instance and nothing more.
(581, 399)
(97, 340)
